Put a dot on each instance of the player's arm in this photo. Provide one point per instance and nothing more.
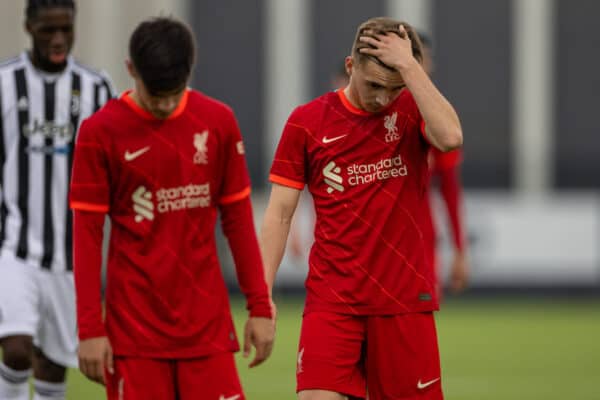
(442, 125)
(89, 200)
(451, 191)
(94, 352)
(276, 227)
(238, 227)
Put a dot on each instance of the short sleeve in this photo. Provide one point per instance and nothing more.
(289, 163)
(236, 180)
(89, 179)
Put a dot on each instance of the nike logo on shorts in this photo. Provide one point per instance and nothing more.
(424, 385)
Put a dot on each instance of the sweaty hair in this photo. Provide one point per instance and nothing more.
(34, 5)
(162, 51)
(382, 26)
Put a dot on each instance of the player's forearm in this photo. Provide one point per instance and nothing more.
(276, 228)
(441, 120)
(273, 238)
(87, 259)
(238, 227)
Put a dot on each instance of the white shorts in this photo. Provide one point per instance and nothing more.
(41, 304)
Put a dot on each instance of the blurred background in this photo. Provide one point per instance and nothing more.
(523, 76)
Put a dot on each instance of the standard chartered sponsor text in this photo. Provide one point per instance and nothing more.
(183, 197)
(360, 174)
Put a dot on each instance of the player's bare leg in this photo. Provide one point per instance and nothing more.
(16, 351)
(47, 370)
(49, 377)
(15, 368)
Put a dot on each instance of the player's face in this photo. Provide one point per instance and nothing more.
(52, 34)
(159, 105)
(373, 87)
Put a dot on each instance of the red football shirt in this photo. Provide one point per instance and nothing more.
(161, 182)
(368, 177)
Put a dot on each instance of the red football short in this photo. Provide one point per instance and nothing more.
(395, 357)
(212, 377)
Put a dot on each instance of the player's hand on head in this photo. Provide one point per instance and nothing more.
(392, 50)
(95, 356)
(459, 273)
(259, 333)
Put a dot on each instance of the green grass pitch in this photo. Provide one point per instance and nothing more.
(490, 349)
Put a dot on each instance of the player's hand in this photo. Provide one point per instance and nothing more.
(260, 333)
(273, 308)
(459, 272)
(95, 355)
(391, 49)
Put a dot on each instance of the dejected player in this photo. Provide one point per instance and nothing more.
(368, 327)
(162, 161)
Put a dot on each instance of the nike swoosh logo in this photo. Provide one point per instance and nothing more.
(237, 396)
(132, 156)
(426, 384)
(333, 139)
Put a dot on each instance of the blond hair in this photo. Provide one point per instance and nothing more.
(382, 26)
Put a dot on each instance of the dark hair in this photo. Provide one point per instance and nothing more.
(384, 25)
(162, 51)
(33, 6)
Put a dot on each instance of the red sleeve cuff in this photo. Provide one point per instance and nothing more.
(232, 198)
(286, 182)
(261, 310)
(91, 332)
(83, 206)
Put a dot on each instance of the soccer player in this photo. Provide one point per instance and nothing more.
(162, 161)
(44, 95)
(362, 151)
(444, 167)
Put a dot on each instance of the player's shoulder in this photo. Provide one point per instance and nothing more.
(109, 114)
(94, 73)
(12, 63)
(309, 111)
(406, 106)
(210, 106)
(406, 100)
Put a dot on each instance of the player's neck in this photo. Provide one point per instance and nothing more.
(350, 97)
(136, 99)
(45, 65)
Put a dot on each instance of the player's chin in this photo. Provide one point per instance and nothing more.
(160, 114)
(374, 108)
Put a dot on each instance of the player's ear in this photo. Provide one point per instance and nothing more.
(27, 26)
(349, 63)
(131, 69)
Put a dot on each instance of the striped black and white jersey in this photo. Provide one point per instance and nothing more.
(41, 114)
